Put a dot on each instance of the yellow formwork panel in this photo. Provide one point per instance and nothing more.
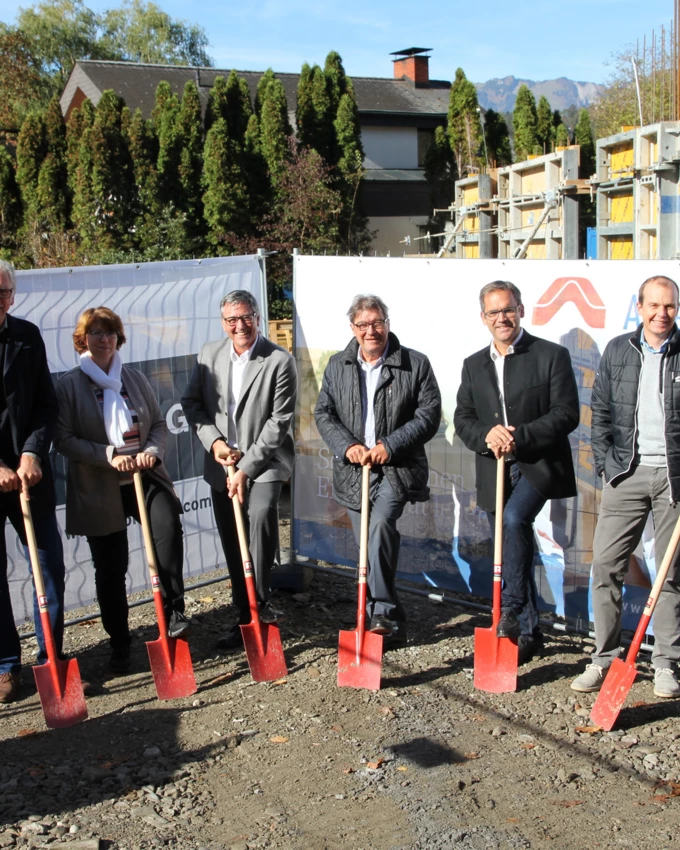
(470, 195)
(471, 251)
(621, 209)
(621, 248)
(622, 159)
(471, 223)
(533, 181)
(536, 250)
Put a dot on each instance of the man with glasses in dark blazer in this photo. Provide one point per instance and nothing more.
(518, 400)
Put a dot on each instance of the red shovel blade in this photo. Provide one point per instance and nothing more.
(359, 662)
(264, 651)
(63, 704)
(495, 662)
(613, 693)
(171, 667)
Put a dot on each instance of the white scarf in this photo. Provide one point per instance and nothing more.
(117, 417)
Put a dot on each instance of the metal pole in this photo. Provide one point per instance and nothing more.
(637, 87)
(481, 121)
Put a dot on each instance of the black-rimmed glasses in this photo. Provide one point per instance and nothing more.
(378, 325)
(508, 312)
(232, 321)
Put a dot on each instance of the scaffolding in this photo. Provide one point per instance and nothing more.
(636, 183)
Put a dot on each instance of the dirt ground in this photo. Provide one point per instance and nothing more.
(426, 763)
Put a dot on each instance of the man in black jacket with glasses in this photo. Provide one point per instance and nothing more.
(518, 400)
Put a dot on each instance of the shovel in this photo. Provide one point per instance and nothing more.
(621, 674)
(58, 682)
(262, 641)
(360, 652)
(496, 657)
(171, 667)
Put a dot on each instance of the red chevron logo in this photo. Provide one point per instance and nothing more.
(580, 291)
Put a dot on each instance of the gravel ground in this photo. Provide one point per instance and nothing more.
(427, 763)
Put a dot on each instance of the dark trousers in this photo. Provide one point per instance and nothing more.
(51, 555)
(261, 520)
(383, 549)
(522, 505)
(110, 557)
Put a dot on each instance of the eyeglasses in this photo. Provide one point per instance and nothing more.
(232, 321)
(6, 293)
(103, 334)
(508, 312)
(378, 325)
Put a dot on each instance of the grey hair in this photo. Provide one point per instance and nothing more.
(652, 279)
(8, 269)
(240, 296)
(499, 286)
(368, 302)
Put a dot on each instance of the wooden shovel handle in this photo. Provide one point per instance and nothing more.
(500, 499)
(240, 525)
(146, 526)
(32, 548)
(365, 517)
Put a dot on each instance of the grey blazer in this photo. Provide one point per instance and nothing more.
(93, 503)
(264, 415)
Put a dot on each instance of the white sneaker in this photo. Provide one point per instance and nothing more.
(590, 680)
(665, 683)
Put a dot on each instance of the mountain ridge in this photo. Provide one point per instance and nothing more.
(499, 93)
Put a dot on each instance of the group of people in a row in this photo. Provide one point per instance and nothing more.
(379, 405)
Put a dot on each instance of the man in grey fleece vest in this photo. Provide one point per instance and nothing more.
(635, 443)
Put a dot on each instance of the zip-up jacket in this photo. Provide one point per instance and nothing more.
(615, 399)
(407, 409)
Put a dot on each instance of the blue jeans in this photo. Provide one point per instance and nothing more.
(51, 554)
(522, 505)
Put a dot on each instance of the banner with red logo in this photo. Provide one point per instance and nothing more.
(434, 308)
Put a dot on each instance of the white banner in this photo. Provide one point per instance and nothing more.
(169, 310)
(434, 308)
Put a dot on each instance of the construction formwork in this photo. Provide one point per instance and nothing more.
(638, 206)
(538, 207)
(475, 216)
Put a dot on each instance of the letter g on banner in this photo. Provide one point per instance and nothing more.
(176, 420)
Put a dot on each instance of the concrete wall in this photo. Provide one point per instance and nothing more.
(390, 147)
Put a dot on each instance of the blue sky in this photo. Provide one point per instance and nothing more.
(534, 39)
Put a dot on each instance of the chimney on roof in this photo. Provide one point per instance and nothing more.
(412, 64)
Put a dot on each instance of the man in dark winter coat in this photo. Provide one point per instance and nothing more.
(636, 442)
(28, 415)
(518, 400)
(378, 406)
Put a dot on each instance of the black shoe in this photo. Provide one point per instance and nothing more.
(119, 662)
(381, 625)
(508, 625)
(269, 614)
(529, 646)
(392, 631)
(231, 639)
(178, 625)
(395, 640)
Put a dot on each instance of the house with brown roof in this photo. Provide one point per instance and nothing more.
(398, 117)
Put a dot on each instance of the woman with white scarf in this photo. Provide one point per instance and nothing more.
(110, 425)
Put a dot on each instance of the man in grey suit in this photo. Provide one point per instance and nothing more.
(241, 400)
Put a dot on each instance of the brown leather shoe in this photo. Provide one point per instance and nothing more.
(10, 684)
